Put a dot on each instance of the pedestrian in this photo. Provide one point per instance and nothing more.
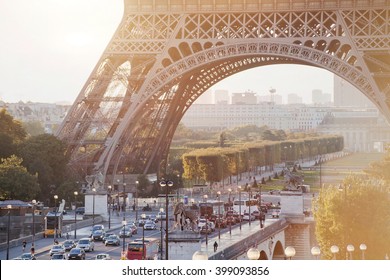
(67, 235)
(32, 250)
(215, 246)
(24, 244)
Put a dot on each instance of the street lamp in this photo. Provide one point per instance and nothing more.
(93, 207)
(124, 237)
(249, 200)
(363, 248)
(334, 249)
(55, 217)
(33, 202)
(219, 214)
(239, 205)
(124, 199)
(161, 229)
(109, 206)
(253, 254)
(75, 214)
(315, 251)
(166, 184)
(136, 200)
(350, 249)
(9, 207)
(200, 256)
(230, 208)
(289, 252)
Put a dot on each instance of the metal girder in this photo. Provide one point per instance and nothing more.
(166, 53)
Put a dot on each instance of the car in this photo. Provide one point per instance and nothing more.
(256, 214)
(133, 228)
(205, 230)
(153, 218)
(98, 227)
(246, 217)
(112, 240)
(87, 244)
(80, 210)
(161, 216)
(76, 254)
(27, 256)
(150, 225)
(220, 223)
(106, 235)
(69, 244)
(275, 214)
(57, 249)
(141, 222)
(98, 235)
(125, 232)
(58, 257)
(103, 256)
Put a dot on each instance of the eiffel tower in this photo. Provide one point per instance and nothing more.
(166, 53)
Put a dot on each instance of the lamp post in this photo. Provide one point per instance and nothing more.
(289, 252)
(363, 248)
(9, 207)
(200, 256)
(124, 199)
(33, 202)
(109, 206)
(207, 236)
(136, 200)
(124, 238)
(239, 205)
(75, 215)
(166, 184)
(161, 229)
(230, 224)
(334, 249)
(315, 251)
(93, 207)
(219, 214)
(143, 242)
(55, 217)
(350, 249)
(249, 201)
(253, 254)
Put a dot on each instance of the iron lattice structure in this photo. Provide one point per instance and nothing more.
(166, 53)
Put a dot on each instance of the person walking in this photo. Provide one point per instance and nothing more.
(215, 246)
(24, 244)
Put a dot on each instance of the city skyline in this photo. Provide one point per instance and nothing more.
(48, 56)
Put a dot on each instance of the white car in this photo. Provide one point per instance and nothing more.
(246, 217)
(103, 256)
(87, 244)
(57, 249)
(202, 223)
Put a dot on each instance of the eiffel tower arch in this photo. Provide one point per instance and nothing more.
(166, 53)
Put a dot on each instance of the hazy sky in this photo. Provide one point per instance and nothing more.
(48, 48)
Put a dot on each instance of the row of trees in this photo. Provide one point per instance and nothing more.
(31, 167)
(355, 212)
(215, 164)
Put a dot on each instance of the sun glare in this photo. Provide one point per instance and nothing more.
(77, 39)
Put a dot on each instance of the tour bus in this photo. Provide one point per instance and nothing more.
(143, 249)
(210, 208)
(247, 206)
(53, 222)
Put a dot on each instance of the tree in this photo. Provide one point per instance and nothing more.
(357, 214)
(11, 127)
(16, 182)
(7, 147)
(34, 128)
(45, 155)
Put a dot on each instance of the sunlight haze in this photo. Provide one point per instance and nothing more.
(50, 47)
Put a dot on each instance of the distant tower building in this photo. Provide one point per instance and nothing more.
(205, 98)
(346, 94)
(294, 98)
(221, 96)
(316, 96)
(244, 98)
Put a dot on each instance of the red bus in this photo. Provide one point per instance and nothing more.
(140, 249)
